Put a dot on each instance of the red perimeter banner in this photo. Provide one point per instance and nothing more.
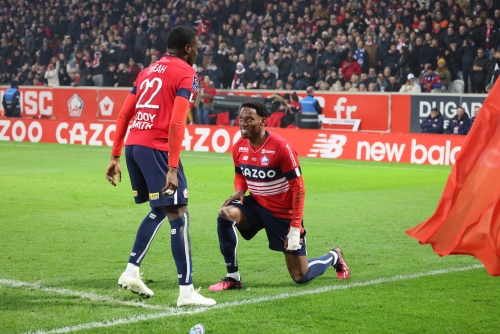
(371, 109)
(408, 148)
(92, 104)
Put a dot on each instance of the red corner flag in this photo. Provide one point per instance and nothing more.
(467, 219)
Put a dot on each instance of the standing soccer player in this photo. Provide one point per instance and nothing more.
(158, 103)
(267, 166)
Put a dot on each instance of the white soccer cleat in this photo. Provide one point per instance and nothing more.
(194, 298)
(134, 284)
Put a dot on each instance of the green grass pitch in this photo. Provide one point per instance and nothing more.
(66, 234)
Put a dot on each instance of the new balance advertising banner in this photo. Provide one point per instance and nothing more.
(422, 104)
(409, 148)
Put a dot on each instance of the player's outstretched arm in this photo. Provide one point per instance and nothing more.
(175, 138)
(124, 117)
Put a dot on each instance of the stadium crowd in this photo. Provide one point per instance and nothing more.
(333, 45)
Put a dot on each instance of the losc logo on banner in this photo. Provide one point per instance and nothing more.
(421, 106)
(328, 146)
(106, 106)
(75, 106)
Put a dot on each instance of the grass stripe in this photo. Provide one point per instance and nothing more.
(73, 293)
(179, 312)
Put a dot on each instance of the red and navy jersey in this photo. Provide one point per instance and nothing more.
(267, 171)
(156, 88)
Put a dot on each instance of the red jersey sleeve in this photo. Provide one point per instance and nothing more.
(188, 84)
(289, 164)
(126, 113)
(239, 180)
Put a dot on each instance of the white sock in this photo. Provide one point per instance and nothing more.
(186, 290)
(235, 275)
(132, 270)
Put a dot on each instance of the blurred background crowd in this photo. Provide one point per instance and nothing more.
(332, 45)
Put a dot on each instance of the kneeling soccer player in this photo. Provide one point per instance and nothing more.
(267, 166)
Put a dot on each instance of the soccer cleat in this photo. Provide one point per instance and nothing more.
(195, 299)
(340, 266)
(134, 284)
(227, 283)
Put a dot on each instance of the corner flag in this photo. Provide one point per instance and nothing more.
(467, 219)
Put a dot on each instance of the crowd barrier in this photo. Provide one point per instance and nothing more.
(388, 128)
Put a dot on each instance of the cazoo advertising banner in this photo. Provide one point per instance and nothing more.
(327, 144)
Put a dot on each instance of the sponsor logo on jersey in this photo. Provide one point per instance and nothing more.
(152, 215)
(185, 193)
(75, 106)
(134, 192)
(173, 231)
(264, 151)
(154, 196)
(243, 149)
(264, 161)
(133, 254)
(196, 83)
(245, 158)
(258, 173)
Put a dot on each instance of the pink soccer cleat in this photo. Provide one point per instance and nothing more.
(227, 283)
(343, 271)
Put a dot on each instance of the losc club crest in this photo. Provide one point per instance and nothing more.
(106, 106)
(75, 106)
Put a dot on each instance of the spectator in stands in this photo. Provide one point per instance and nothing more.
(122, 75)
(475, 113)
(430, 80)
(393, 85)
(208, 92)
(215, 75)
(267, 81)
(480, 69)
(134, 71)
(110, 77)
(309, 74)
(460, 124)
(52, 73)
(444, 73)
(433, 123)
(494, 68)
(468, 52)
(279, 85)
(452, 58)
(98, 67)
(410, 86)
(309, 104)
(239, 77)
(362, 56)
(403, 66)
(252, 76)
(350, 66)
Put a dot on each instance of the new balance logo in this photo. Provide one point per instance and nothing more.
(132, 254)
(328, 147)
(179, 275)
(173, 231)
(152, 216)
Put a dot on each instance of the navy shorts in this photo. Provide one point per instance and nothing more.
(148, 174)
(276, 228)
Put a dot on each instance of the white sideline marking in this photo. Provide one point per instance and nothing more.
(106, 149)
(178, 311)
(85, 295)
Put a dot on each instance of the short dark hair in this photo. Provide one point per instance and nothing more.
(179, 37)
(259, 107)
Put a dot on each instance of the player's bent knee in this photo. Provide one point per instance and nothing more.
(158, 212)
(228, 213)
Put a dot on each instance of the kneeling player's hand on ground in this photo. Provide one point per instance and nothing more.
(239, 195)
(292, 241)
